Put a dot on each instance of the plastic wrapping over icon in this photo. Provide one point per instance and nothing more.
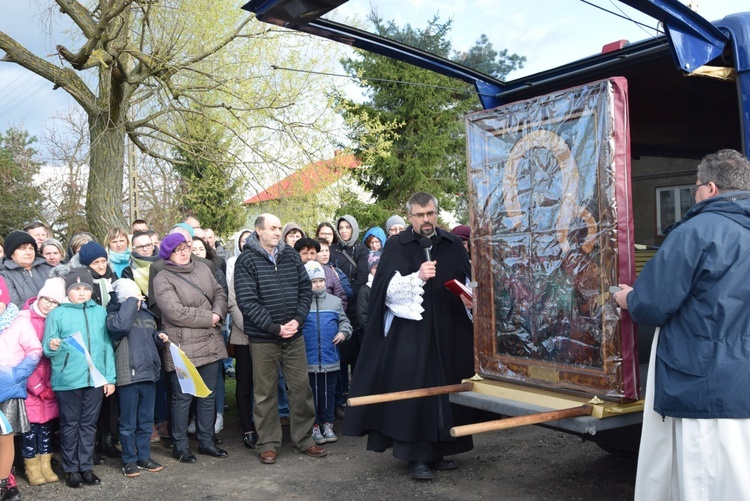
(551, 213)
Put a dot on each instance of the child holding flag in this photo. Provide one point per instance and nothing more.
(83, 372)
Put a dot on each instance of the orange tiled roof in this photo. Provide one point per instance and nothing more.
(309, 179)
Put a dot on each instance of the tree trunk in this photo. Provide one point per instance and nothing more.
(104, 199)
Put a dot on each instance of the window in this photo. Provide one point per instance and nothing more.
(671, 204)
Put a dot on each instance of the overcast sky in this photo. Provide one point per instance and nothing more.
(548, 32)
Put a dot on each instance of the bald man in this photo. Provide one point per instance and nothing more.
(274, 294)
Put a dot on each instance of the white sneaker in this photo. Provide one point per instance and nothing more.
(219, 423)
(317, 436)
(191, 427)
(328, 432)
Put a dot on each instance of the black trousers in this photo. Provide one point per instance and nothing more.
(244, 388)
(205, 409)
(79, 410)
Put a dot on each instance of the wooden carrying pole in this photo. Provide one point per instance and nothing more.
(404, 395)
(513, 422)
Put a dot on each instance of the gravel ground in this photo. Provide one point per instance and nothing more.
(530, 463)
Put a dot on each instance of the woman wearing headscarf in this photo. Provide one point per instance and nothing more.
(192, 305)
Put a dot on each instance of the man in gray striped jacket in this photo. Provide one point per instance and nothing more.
(274, 294)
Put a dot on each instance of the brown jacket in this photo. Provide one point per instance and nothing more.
(187, 315)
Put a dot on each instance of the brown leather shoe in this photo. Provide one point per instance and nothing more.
(268, 457)
(317, 451)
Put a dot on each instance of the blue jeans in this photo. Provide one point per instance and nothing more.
(136, 420)
(225, 334)
(323, 385)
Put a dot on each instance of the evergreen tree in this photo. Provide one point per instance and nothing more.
(210, 191)
(409, 131)
(20, 200)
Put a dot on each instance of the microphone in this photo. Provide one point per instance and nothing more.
(426, 245)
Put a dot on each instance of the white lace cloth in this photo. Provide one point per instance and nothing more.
(404, 296)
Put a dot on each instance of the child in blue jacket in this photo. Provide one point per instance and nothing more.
(325, 327)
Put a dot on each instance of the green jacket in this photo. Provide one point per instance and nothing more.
(70, 370)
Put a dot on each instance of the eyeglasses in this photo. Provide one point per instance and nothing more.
(325, 233)
(141, 248)
(422, 215)
(48, 301)
(694, 189)
(183, 249)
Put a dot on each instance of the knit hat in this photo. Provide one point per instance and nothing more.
(53, 288)
(393, 221)
(90, 252)
(126, 288)
(4, 294)
(16, 239)
(187, 228)
(170, 243)
(78, 276)
(373, 259)
(315, 270)
(462, 231)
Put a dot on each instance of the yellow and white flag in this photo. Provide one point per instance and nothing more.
(188, 376)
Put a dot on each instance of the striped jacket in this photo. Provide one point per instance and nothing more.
(270, 294)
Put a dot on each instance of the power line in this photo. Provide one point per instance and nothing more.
(623, 16)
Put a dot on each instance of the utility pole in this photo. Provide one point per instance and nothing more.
(132, 182)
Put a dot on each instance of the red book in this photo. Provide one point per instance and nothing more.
(459, 289)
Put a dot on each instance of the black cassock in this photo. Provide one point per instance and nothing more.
(435, 351)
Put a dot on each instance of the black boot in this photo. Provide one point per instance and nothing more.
(8, 493)
(108, 446)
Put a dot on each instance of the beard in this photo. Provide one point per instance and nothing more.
(426, 229)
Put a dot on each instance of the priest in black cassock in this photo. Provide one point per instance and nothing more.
(419, 335)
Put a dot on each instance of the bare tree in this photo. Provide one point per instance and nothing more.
(140, 67)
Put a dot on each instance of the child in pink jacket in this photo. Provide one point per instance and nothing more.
(41, 404)
(20, 351)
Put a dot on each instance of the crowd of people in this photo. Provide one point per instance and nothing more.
(85, 329)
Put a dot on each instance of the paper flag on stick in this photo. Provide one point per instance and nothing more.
(190, 381)
(76, 341)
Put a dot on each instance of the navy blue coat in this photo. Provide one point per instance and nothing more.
(697, 288)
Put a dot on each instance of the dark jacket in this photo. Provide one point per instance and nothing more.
(22, 283)
(187, 315)
(696, 288)
(134, 336)
(351, 257)
(271, 294)
(435, 351)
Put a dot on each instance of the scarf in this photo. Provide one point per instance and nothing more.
(102, 286)
(140, 266)
(10, 314)
(119, 261)
(37, 310)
